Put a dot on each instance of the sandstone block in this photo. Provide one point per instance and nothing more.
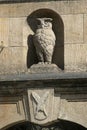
(40, 102)
(16, 32)
(61, 7)
(13, 60)
(76, 57)
(85, 28)
(4, 31)
(73, 28)
(11, 112)
(74, 110)
(4, 10)
(44, 68)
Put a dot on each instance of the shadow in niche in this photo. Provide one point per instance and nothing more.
(55, 125)
(58, 28)
(31, 54)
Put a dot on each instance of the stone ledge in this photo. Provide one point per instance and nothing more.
(44, 68)
(30, 0)
(44, 76)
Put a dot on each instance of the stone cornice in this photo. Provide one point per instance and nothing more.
(44, 76)
(71, 83)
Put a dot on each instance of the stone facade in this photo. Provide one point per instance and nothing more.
(14, 32)
(67, 98)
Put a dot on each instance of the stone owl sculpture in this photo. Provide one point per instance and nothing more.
(44, 40)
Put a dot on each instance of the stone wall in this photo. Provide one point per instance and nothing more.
(14, 32)
(17, 54)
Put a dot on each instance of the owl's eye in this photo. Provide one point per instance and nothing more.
(46, 22)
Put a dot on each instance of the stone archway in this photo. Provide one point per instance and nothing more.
(55, 125)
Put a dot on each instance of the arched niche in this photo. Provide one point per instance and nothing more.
(55, 125)
(58, 28)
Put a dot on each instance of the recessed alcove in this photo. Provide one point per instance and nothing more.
(58, 28)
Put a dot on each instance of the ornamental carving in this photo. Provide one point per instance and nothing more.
(40, 112)
(44, 40)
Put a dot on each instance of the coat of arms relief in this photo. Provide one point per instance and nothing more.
(41, 103)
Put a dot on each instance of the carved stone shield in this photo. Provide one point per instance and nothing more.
(41, 105)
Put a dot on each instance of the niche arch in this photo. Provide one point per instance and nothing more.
(56, 125)
(58, 28)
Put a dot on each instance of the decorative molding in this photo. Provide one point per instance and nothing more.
(40, 102)
(44, 95)
(20, 101)
(44, 40)
(22, 1)
(12, 1)
(69, 77)
(40, 105)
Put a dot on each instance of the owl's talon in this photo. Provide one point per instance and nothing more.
(47, 62)
(41, 63)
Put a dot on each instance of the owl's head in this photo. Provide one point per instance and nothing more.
(44, 22)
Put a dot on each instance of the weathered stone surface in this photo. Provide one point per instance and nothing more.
(16, 32)
(61, 7)
(73, 28)
(10, 112)
(76, 57)
(4, 10)
(4, 32)
(74, 110)
(17, 29)
(40, 102)
(13, 60)
(85, 28)
(44, 68)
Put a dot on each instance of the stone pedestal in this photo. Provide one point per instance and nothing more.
(44, 68)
